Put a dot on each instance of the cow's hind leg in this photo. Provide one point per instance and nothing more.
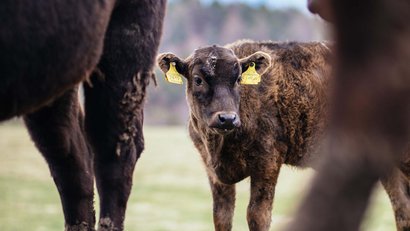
(397, 186)
(57, 131)
(114, 102)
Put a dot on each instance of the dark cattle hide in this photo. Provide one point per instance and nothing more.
(47, 48)
(370, 126)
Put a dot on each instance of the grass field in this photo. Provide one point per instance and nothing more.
(170, 189)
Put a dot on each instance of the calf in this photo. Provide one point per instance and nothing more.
(246, 130)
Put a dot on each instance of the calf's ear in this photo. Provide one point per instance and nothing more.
(259, 59)
(173, 67)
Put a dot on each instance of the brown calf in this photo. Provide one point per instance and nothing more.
(251, 130)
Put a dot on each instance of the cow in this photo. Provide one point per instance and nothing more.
(48, 48)
(244, 126)
(370, 127)
(249, 130)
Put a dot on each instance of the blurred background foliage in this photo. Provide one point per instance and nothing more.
(190, 24)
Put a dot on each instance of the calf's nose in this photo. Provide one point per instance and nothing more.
(227, 120)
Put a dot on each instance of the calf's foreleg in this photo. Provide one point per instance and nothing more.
(223, 196)
(263, 182)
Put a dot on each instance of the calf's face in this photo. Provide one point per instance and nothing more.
(213, 82)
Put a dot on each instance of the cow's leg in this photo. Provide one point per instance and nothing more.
(370, 115)
(397, 186)
(114, 102)
(223, 196)
(57, 131)
(263, 182)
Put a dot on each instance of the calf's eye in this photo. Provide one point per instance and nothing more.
(198, 81)
(239, 79)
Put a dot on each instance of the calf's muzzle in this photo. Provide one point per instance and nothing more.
(225, 120)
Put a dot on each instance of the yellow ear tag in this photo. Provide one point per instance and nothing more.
(250, 76)
(173, 75)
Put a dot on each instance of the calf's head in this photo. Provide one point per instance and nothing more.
(213, 82)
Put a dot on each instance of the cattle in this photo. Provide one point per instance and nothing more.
(370, 127)
(244, 127)
(47, 48)
(322, 8)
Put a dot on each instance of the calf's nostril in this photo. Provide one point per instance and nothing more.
(226, 118)
(222, 118)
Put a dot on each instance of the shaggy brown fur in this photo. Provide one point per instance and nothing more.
(46, 49)
(282, 120)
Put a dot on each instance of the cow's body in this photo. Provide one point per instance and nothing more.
(47, 48)
(370, 126)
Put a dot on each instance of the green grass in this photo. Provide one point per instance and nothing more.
(170, 188)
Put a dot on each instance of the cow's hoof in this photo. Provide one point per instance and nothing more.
(106, 224)
(83, 226)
